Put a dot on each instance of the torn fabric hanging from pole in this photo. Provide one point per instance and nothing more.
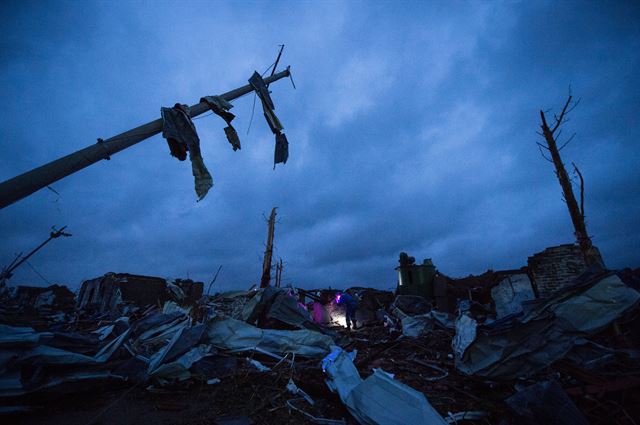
(181, 135)
(221, 107)
(23, 185)
(281, 153)
(282, 149)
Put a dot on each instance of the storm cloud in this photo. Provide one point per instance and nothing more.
(412, 128)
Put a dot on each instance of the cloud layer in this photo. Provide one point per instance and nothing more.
(412, 129)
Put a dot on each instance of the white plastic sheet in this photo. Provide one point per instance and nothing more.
(465, 335)
(235, 335)
(178, 370)
(379, 399)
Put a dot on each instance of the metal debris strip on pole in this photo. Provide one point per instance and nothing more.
(25, 184)
(273, 68)
(253, 107)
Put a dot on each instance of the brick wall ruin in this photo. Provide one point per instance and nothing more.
(555, 267)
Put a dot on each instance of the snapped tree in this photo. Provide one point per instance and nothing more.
(268, 252)
(551, 134)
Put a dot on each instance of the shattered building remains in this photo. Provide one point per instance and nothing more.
(492, 348)
(506, 291)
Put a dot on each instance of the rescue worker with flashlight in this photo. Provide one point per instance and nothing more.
(350, 304)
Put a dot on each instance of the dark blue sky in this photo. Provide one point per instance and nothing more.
(413, 128)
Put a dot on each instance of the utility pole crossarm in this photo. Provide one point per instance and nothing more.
(21, 186)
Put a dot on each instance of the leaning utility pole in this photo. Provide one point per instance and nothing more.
(589, 252)
(19, 187)
(7, 272)
(268, 252)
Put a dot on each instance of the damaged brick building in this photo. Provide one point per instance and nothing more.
(503, 291)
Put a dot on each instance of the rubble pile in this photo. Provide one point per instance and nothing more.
(28, 304)
(130, 348)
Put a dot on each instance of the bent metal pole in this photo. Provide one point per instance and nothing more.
(21, 186)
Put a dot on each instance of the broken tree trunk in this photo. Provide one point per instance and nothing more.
(279, 267)
(268, 253)
(590, 253)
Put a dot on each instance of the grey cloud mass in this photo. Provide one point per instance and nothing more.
(413, 128)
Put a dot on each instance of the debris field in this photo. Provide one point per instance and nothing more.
(127, 348)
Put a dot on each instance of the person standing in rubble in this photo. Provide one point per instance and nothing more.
(350, 304)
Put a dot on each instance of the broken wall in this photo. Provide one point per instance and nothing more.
(107, 292)
(555, 268)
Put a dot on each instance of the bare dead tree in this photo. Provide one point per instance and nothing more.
(551, 134)
(268, 252)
